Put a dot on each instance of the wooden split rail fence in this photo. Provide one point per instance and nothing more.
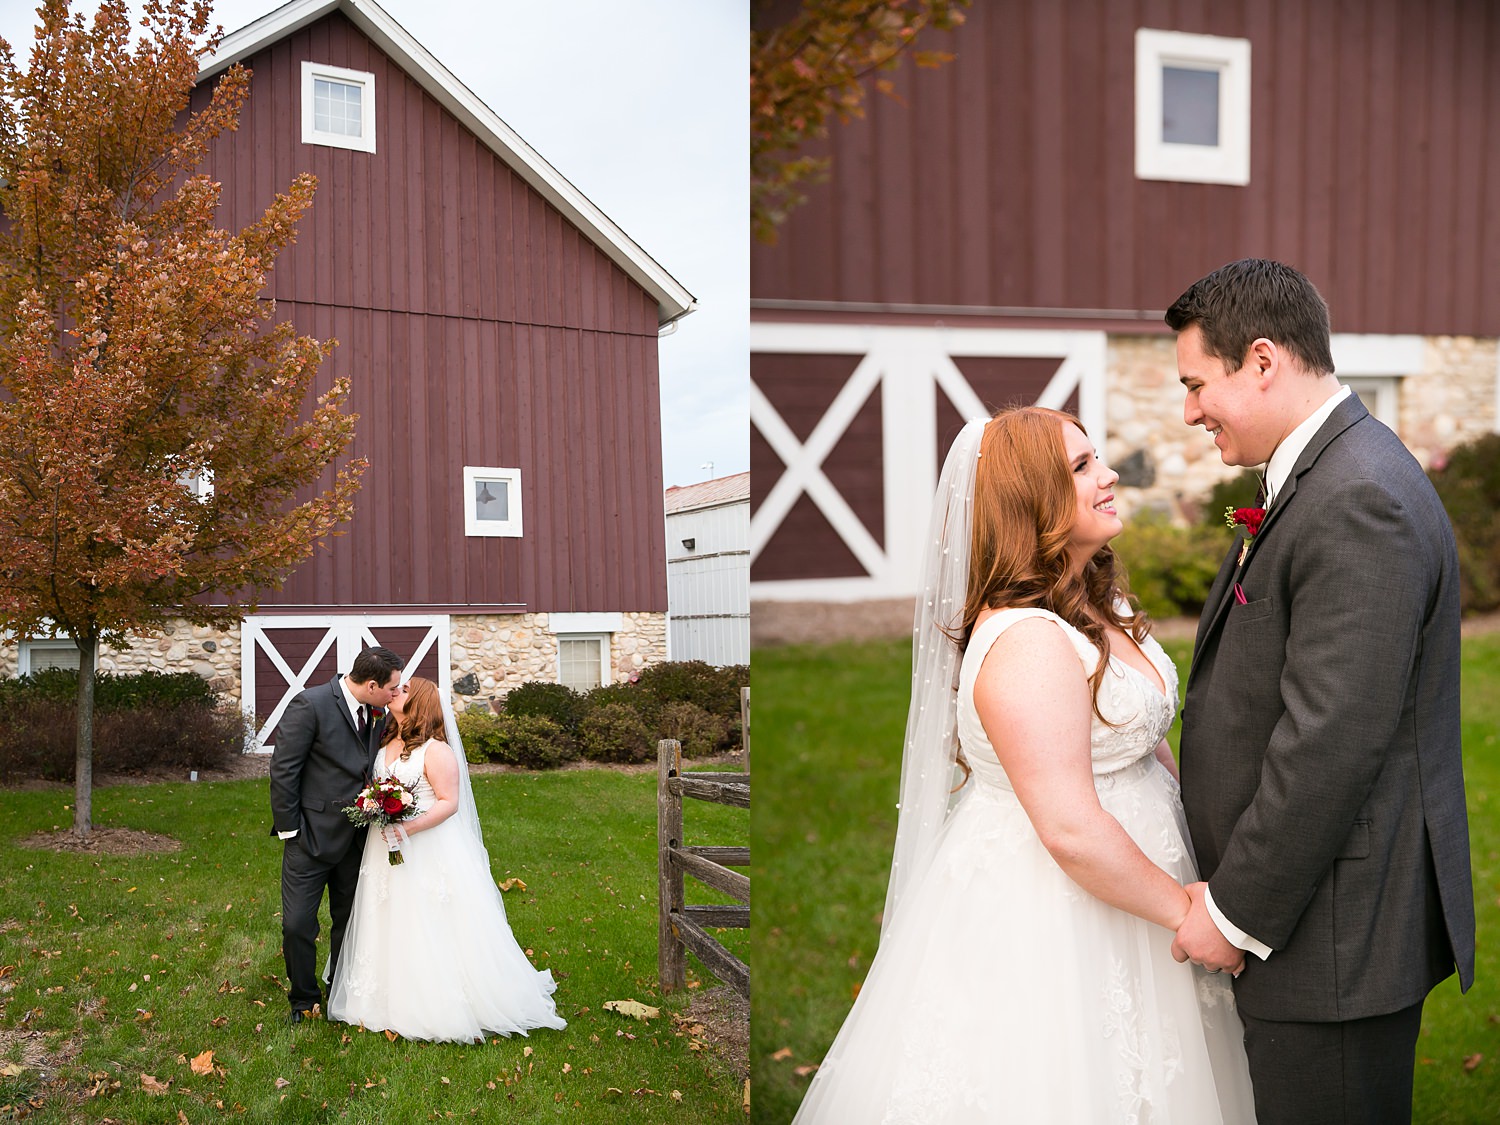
(682, 928)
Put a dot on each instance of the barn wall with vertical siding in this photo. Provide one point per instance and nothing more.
(478, 327)
(1007, 177)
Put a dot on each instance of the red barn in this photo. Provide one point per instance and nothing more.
(500, 333)
(1012, 227)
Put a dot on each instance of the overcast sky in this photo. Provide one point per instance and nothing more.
(641, 104)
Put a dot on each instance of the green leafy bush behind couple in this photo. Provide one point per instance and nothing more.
(1171, 567)
(545, 725)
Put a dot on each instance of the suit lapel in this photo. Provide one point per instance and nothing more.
(1346, 414)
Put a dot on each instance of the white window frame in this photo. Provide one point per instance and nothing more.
(585, 627)
(365, 80)
(53, 644)
(1228, 162)
(199, 485)
(605, 676)
(473, 525)
(1373, 366)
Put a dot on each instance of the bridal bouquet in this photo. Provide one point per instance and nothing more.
(382, 803)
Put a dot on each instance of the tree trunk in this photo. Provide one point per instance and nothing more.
(83, 786)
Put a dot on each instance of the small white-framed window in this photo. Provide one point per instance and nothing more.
(1192, 107)
(583, 660)
(37, 656)
(1381, 395)
(200, 485)
(338, 107)
(492, 501)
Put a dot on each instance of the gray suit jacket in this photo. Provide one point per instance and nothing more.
(1321, 765)
(319, 766)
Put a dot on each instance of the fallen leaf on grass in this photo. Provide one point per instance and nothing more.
(11, 1070)
(614, 1090)
(182, 1118)
(218, 1021)
(527, 1052)
(152, 1086)
(507, 884)
(632, 1008)
(282, 1083)
(804, 1071)
(1472, 1061)
(567, 1068)
(784, 1053)
(202, 1064)
(676, 1095)
(391, 1035)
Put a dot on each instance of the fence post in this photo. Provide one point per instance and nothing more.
(745, 724)
(671, 955)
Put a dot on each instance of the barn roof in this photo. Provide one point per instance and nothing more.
(672, 300)
(708, 493)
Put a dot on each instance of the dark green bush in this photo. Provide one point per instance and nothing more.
(616, 732)
(139, 689)
(644, 703)
(1469, 487)
(699, 732)
(480, 731)
(532, 741)
(535, 742)
(1171, 568)
(557, 702)
(715, 690)
(41, 738)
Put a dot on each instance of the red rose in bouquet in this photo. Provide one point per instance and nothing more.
(382, 803)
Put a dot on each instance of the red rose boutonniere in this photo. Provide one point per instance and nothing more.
(1248, 518)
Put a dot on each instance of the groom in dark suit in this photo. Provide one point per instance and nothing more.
(325, 748)
(1321, 766)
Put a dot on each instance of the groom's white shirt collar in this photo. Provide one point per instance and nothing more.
(353, 704)
(1279, 467)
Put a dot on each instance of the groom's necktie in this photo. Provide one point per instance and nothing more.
(364, 722)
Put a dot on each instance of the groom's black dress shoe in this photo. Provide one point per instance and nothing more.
(300, 1014)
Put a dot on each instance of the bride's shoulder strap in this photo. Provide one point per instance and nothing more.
(989, 631)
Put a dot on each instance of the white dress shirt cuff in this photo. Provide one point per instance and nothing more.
(1232, 933)
(293, 832)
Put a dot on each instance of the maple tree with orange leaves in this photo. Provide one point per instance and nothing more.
(137, 356)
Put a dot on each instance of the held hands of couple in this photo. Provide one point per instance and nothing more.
(1199, 939)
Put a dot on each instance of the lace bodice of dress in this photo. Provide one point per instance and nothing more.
(1127, 697)
(410, 774)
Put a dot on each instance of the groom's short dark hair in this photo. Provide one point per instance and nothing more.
(375, 664)
(1239, 303)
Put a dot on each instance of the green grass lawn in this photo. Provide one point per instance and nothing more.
(829, 732)
(135, 966)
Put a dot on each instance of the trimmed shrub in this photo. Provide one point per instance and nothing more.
(615, 732)
(141, 689)
(480, 731)
(557, 702)
(41, 738)
(631, 696)
(1469, 487)
(699, 732)
(1171, 568)
(715, 690)
(535, 742)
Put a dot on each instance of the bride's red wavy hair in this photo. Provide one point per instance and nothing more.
(421, 716)
(1025, 507)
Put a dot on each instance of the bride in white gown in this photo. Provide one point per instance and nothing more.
(439, 908)
(1025, 970)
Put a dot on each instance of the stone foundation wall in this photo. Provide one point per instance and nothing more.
(491, 653)
(1167, 466)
